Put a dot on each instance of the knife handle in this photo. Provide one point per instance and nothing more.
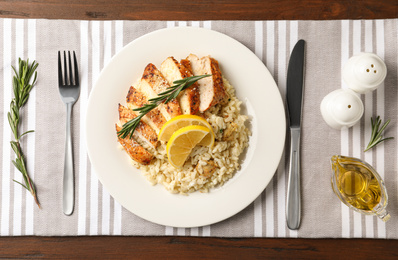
(293, 203)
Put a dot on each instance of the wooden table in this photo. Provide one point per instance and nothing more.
(192, 247)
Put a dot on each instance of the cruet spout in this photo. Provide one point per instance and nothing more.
(335, 162)
(359, 186)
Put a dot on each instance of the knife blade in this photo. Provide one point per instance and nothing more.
(294, 96)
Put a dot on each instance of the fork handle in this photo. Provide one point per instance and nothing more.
(68, 183)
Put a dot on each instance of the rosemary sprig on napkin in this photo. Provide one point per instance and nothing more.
(376, 136)
(164, 97)
(21, 87)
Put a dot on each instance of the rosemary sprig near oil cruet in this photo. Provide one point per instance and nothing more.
(164, 97)
(21, 87)
(376, 136)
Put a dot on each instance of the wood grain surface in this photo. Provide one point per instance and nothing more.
(200, 9)
(194, 247)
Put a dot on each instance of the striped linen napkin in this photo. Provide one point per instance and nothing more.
(329, 46)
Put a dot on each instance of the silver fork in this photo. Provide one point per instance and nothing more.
(69, 88)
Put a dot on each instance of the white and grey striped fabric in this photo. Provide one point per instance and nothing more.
(329, 46)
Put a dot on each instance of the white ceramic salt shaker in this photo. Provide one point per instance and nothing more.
(341, 108)
(364, 72)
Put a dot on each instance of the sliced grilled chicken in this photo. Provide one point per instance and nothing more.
(211, 89)
(172, 70)
(135, 150)
(187, 64)
(154, 118)
(143, 131)
(153, 83)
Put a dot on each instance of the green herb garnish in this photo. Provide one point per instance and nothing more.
(164, 97)
(21, 88)
(376, 136)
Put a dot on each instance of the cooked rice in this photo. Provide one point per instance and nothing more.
(225, 153)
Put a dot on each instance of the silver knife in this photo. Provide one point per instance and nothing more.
(294, 95)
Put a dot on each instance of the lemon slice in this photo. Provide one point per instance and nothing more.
(183, 141)
(181, 121)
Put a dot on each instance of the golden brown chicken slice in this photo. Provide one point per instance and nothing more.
(153, 83)
(211, 89)
(187, 64)
(143, 131)
(135, 150)
(154, 118)
(172, 70)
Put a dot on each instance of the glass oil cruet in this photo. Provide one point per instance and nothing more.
(359, 186)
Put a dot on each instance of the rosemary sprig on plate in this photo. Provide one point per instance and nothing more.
(164, 97)
(376, 136)
(21, 87)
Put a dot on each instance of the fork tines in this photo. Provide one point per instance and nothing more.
(69, 77)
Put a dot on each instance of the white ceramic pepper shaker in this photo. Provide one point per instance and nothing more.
(364, 72)
(342, 109)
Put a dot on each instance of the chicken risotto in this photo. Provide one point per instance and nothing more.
(210, 99)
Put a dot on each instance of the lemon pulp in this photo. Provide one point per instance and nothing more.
(178, 122)
(183, 141)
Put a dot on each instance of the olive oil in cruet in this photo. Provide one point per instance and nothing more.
(359, 186)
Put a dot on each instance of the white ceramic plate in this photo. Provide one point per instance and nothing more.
(254, 86)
